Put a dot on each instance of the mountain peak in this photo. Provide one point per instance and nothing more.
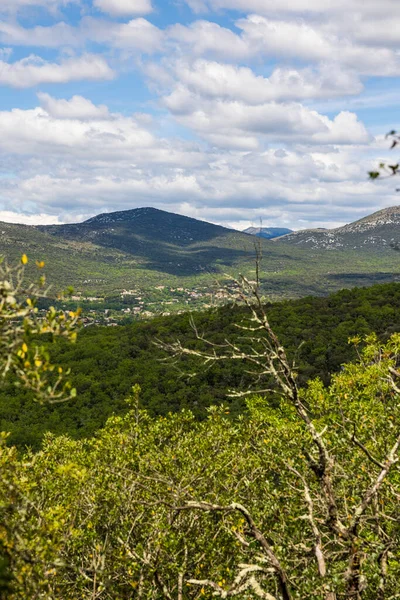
(169, 242)
(385, 216)
(268, 233)
(123, 215)
(377, 231)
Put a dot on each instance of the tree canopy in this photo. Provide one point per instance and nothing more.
(171, 507)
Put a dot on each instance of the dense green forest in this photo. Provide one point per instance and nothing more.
(106, 362)
(296, 501)
(294, 498)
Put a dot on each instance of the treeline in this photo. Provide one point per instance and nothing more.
(294, 501)
(106, 362)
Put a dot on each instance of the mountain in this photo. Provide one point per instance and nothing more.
(147, 232)
(159, 241)
(134, 249)
(167, 259)
(267, 232)
(375, 232)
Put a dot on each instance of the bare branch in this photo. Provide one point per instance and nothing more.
(281, 575)
(383, 564)
(357, 442)
(391, 459)
(244, 580)
(317, 534)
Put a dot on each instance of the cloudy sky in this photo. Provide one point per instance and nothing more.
(232, 111)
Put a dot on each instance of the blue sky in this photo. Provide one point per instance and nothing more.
(230, 111)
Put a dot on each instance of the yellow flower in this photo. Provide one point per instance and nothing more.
(24, 259)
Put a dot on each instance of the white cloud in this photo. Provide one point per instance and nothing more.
(255, 144)
(216, 80)
(77, 108)
(232, 108)
(34, 70)
(203, 38)
(374, 30)
(40, 131)
(300, 7)
(124, 8)
(52, 36)
(300, 40)
(275, 39)
(13, 6)
(67, 167)
(137, 34)
(344, 129)
(8, 216)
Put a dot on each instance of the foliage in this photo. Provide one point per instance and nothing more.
(105, 362)
(386, 170)
(177, 508)
(20, 329)
(22, 360)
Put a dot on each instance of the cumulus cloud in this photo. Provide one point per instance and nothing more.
(13, 6)
(252, 98)
(299, 7)
(124, 8)
(301, 40)
(33, 70)
(232, 107)
(234, 124)
(77, 107)
(137, 34)
(51, 36)
(225, 81)
(32, 131)
(65, 160)
(289, 39)
(204, 38)
(8, 216)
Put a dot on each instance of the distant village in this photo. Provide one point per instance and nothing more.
(135, 304)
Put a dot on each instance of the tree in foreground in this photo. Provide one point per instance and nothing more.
(25, 361)
(297, 499)
(23, 357)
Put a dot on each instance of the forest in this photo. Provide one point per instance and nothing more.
(105, 361)
(283, 485)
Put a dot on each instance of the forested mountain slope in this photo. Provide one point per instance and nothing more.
(141, 249)
(106, 362)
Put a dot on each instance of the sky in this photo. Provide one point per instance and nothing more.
(238, 112)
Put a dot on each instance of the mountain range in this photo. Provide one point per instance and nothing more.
(376, 232)
(268, 233)
(145, 247)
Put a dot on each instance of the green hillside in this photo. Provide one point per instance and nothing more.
(105, 362)
(144, 248)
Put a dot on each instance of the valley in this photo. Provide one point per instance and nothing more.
(145, 262)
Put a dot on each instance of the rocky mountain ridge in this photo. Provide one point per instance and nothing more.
(377, 231)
